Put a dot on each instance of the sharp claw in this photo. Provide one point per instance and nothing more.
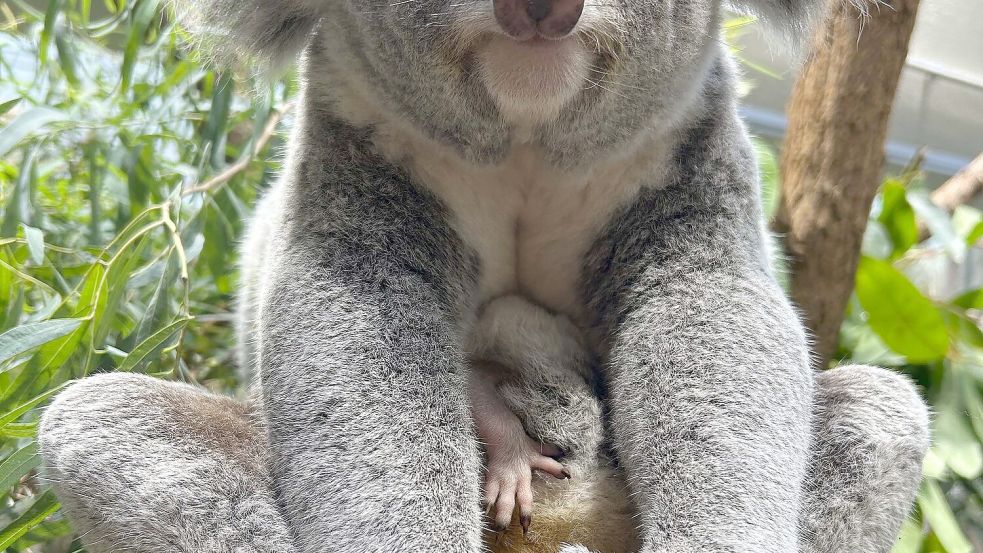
(565, 473)
(525, 521)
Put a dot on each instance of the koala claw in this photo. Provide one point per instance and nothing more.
(525, 521)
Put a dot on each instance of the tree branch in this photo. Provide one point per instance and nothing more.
(961, 188)
(241, 165)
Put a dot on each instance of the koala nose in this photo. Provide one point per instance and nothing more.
(524, 19)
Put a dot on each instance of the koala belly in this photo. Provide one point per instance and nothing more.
(531, 227)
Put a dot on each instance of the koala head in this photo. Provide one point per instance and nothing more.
(574, 75)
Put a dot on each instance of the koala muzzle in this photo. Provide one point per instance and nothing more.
(526, 19)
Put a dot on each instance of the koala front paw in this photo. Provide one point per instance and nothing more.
(508, 477)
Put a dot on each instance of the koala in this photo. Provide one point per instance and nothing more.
(533, 398)
(455, 156)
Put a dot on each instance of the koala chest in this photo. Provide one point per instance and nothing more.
(530, 224)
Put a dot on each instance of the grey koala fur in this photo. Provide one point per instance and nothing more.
(420, 186)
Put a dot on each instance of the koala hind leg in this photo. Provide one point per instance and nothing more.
(145, 465)
(871, 436)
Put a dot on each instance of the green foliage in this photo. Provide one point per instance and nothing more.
(128, 167)
(916, 309)
(109, 258)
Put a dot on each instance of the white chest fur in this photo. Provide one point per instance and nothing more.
(530, 223)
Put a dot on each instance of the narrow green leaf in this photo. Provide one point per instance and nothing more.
(47, 531)
(975, 235)
(8, 105)
(19, 430)
(910, 539)
(17, 465)
(964, 330)
(143, 353)
(50, 19)
(114, 287)
(142, 16)
(66, 58)
(898, 218)
(157, 306)
(970, 300)
(908, 322)
(768, 166)
(953, 437)
(16, 413)
(19, 205)
(28, 122)
(23, 338)
(43, 507)
(57, 352)
(213, 133)
(35, 243)
(935, 510)
(37, 375)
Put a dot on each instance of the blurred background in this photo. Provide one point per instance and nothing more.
(127, 167)
(939, 102)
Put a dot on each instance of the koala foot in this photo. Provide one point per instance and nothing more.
(512, 455)
(508, 476)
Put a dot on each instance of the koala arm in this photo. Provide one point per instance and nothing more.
(364, 382)
(706, 363)
(365, 399)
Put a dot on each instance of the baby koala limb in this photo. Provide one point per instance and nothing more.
(531, 365)
(549, 387)
(511, 454)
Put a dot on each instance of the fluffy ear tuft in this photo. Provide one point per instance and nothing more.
(268, 31)
(793, 20)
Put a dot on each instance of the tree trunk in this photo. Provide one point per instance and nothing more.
(833, 155)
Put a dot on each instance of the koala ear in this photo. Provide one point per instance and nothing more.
(792, 20)
(268, 31)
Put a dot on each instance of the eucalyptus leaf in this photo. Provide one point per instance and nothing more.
(143, 353)
(17, 465)
(35, 243)
(42, 507)
(29, 121)
(936, 511)
(8, 105)
(14, 414)
(24, 338)
(953, 437)
(898, 218)
(907, 321)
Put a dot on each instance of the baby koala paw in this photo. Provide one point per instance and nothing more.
(508, 478)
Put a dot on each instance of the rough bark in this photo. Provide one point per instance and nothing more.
(833, 155)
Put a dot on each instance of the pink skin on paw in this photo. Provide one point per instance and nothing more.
(512, 454)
